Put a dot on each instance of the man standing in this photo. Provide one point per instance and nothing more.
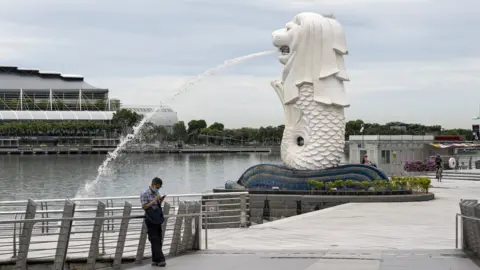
(151, 203)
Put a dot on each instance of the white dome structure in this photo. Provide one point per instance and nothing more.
(165, 116)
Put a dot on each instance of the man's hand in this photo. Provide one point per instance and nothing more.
(154, 201)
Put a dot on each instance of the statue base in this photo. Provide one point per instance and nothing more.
(269, 176)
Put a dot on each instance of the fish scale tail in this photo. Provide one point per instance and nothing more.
(324, 135)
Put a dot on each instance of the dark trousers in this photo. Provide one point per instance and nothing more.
(156, 241)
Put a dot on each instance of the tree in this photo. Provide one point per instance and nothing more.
(180, 131)
(194, 126)
(126, 119)
(216, 126)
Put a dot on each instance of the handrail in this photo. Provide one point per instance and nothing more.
(36, 220)
(127, 197)
(186, 217)
(457, 215)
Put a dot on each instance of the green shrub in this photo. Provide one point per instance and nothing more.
(417, 184)
(339, 184)
(330, 185)
(366, 184)
(349, 184)
(315, 185)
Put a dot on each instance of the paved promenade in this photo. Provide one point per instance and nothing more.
(376, 236)
(323, 260)
(371, 226)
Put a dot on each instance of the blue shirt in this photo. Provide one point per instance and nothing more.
(147, 196)
(153, 214)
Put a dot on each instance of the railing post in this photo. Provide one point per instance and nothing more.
(177, 229)
(456, 231)
(197, 243)
(476, 214)
(187, 228)
(243, 210)
(193, 243)
(43, 216)
(122, 236)
(141, 244)
(26, 236)
(95, 242)
(166, 211)
(64, 236)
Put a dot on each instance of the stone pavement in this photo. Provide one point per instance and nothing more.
(363, 236)
(374, 226)
(326, 260)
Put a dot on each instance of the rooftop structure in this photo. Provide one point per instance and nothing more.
(31, 94)
(165, 116)
(34, 90)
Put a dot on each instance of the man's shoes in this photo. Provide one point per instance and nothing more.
(160, 264)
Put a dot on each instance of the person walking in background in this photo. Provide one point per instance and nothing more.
(438, 168)
(151, 203)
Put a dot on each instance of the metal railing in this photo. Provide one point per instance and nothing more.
(469, 226)
(104, 230)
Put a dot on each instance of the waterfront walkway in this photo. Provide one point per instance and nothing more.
(411, 235)
(374, 226)
(323, 260)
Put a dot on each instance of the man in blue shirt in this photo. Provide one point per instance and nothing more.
(151, 203)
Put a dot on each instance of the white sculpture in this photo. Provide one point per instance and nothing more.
(312, 47)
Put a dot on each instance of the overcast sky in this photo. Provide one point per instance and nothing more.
(410, 60)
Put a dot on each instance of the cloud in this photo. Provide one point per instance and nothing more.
(414, 60)
(427, 92)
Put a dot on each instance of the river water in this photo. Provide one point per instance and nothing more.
(62, 176)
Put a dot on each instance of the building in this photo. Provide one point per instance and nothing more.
(164, 117)
(391, 152)
(33, 95)
(29, 94)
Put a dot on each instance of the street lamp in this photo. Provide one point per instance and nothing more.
(363, 135)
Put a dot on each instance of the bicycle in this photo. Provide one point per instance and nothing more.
(438, 174)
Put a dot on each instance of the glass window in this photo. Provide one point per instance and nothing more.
(386, 156)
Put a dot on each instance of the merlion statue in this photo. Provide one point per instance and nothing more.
(312, 91)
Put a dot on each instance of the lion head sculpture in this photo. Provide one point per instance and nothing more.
(312, 48)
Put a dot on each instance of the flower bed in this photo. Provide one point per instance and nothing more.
(397, 185)
(419, 166)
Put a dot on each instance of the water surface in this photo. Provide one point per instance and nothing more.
(62, 176)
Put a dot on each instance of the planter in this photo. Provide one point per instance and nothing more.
(332, 192)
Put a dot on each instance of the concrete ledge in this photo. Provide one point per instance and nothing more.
(416, 197)
(373, 198)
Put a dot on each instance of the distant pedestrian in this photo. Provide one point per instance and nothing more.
(365, 160)
(151, 203)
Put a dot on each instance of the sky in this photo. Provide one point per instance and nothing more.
(409, 60)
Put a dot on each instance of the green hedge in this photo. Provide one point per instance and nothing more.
(417, 184)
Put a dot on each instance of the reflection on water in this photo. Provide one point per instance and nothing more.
(22, 177)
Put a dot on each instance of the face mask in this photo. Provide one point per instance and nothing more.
(154, 189)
